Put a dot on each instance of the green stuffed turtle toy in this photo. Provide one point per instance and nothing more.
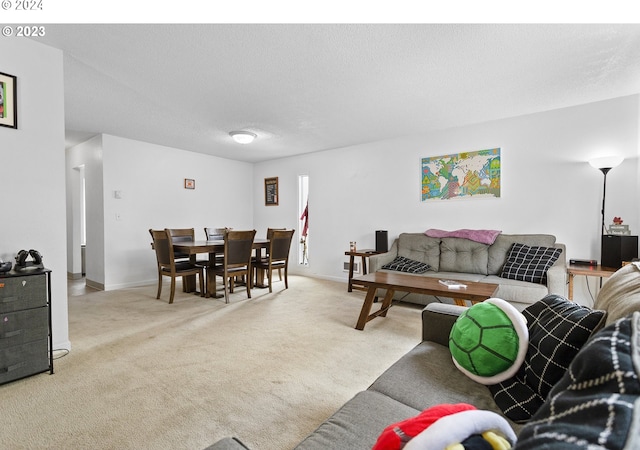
(489, 341)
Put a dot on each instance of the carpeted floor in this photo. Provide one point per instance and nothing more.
(143, 374)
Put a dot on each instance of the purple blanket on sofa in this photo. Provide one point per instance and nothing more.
(484, 236)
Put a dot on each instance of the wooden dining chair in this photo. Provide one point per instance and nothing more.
(238, 247)
(168, 266)
(269, 234)
(215, 234)
(278, 256)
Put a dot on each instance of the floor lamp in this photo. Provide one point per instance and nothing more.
(605, 164)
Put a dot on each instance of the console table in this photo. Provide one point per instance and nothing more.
(364, 253)
(587, 271)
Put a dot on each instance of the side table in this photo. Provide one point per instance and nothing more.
(587, 271)
(364, 253)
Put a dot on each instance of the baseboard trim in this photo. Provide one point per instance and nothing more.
(94, 284)
(73, 276)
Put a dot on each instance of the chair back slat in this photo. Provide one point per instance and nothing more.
(238, 247)
(215, 234)
(162, 247)
(271, 230)
(280, 243)
(182, 234)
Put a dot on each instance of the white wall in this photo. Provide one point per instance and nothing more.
(547, 184)
(150, 179)
(32, 168)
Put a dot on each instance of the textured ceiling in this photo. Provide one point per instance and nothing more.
(308, 88)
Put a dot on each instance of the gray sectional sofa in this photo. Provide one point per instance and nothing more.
(571, 416)
(463, 259)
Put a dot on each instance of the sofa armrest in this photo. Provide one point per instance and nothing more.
(377, 261)
(557, 280)
(437, 321)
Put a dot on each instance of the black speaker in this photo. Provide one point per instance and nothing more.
(382, 241)
(616, 249)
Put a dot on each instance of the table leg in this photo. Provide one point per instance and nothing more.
(364, 265)
(189, 282)
(368, 302)
(366, 308)
(386, 302)
(571, 286)
(350, 286)
(211, 278)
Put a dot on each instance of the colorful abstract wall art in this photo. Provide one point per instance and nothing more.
(462, 175)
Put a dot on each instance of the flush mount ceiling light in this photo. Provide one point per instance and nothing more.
(243, 137)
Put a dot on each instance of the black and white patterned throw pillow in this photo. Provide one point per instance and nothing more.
(595, 404)
(529, 263)
(558, 328)
(402, 264)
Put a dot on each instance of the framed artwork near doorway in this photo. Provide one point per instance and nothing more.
(8, 101)
(271, 191)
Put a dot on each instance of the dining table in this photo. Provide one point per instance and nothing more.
(213, 248)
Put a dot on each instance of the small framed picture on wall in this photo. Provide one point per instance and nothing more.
(189, 183)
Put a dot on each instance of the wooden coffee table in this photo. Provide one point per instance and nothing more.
(475, 291)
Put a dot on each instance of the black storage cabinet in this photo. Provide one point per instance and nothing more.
(617, 248)
(26, 343)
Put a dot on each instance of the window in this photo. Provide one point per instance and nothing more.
(303, 226)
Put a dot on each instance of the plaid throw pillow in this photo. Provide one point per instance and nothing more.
(595, 404)
(558, 328)
(402, 264)
(530, 264)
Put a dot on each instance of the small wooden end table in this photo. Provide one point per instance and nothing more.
(364, 253)
(475, 291)
(587, 271)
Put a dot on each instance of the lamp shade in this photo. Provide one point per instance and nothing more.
(243, 137)
(606, 162)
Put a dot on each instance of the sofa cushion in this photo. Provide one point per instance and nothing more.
(503, 243)
(463, 255)
(620, 294)
(358, 423)
(426, 376)
(418, 247)
(519, 293)
(529, 263)
(402, 264)
(558, 329)
(596, 404)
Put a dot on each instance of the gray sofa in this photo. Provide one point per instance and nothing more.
(426, 376)
(463, 259)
